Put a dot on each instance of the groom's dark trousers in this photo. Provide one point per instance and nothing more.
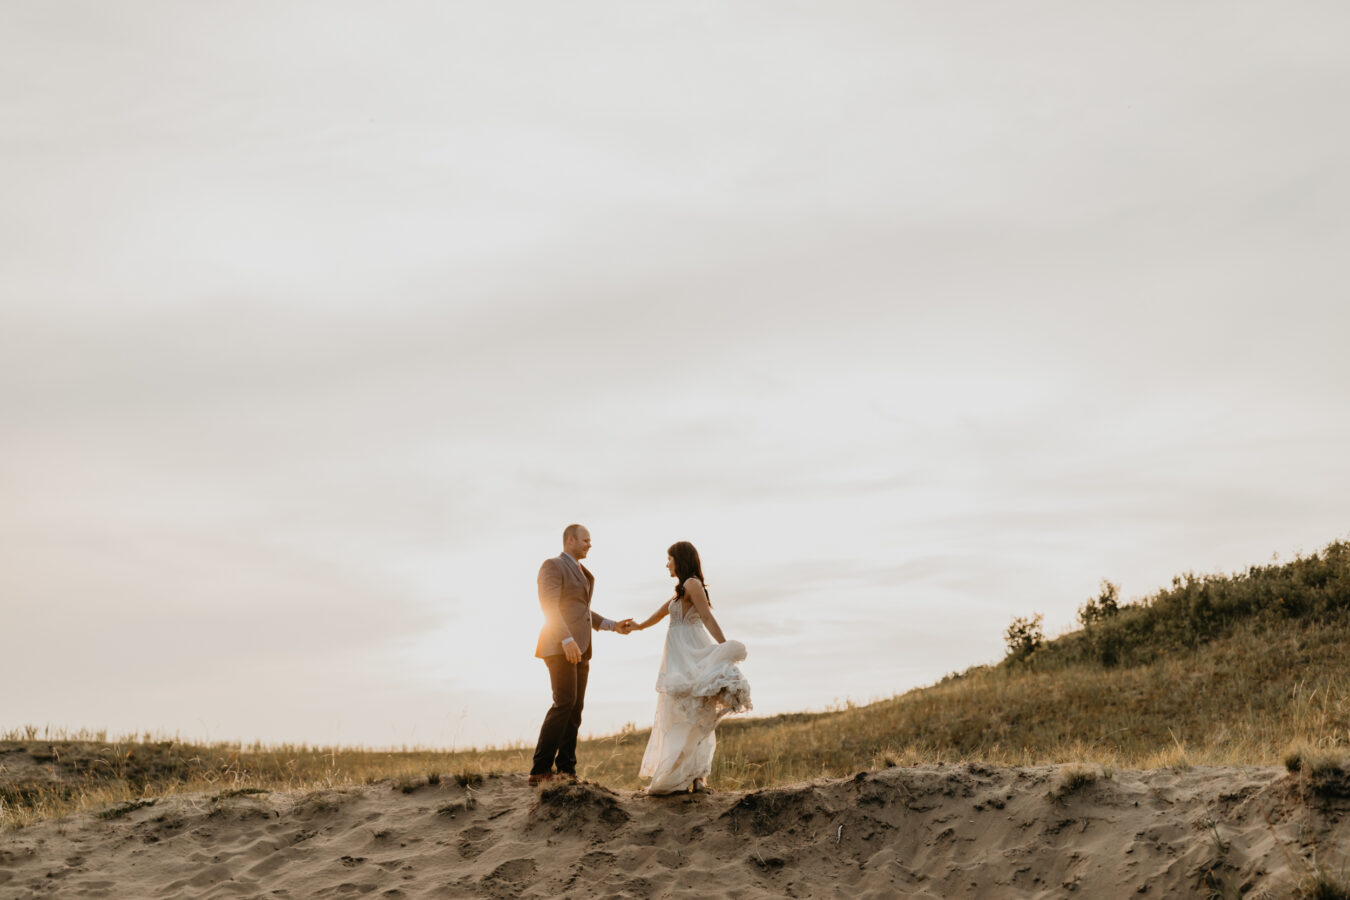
(558, 735)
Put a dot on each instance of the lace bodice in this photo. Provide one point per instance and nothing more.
(679, 617)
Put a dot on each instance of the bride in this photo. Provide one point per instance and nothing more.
(698, 684)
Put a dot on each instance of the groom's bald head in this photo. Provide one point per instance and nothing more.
(576, 541)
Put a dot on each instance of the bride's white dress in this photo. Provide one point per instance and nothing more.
(699, 683)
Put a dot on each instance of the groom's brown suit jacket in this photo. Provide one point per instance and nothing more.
(565, 597)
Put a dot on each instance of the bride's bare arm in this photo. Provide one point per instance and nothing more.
(654, 617)
(693, 589)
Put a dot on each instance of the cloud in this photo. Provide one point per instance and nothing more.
(306, 364)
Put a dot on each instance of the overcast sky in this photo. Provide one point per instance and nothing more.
(320, 320)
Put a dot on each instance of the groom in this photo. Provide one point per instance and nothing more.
(565, 588)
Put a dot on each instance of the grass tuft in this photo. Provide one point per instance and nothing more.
(239, 792)
(1073, 779)
(1323, 773)
(1322, 885)
(124, 809)
(466, 805)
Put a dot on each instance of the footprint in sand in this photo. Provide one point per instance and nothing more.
(511, 872)
(473, 841)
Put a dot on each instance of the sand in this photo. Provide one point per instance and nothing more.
(929, 831)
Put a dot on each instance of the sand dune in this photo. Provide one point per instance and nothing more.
(930, 831)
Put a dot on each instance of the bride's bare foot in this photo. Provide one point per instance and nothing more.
(701, 787)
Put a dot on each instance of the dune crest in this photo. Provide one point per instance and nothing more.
(930, 831)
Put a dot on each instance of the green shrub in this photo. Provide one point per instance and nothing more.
(1193, 611)
(1024, 636)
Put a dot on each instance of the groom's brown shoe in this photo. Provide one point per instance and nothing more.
(540, 778)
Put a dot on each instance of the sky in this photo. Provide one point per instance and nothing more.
(320, 321)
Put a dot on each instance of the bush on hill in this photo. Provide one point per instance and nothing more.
(1196, 610)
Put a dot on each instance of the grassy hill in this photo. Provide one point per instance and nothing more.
(1246, 668)
(1219, 669)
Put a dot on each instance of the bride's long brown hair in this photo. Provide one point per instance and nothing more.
(687, 566)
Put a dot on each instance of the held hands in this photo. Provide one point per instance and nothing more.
(626, 626)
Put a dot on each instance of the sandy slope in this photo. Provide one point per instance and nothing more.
(931, 831)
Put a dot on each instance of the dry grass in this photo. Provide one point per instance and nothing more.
(91, 772)
(1075, 778)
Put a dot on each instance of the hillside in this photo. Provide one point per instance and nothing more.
(1233, 669)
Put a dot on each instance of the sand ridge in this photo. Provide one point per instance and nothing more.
(929, 831)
